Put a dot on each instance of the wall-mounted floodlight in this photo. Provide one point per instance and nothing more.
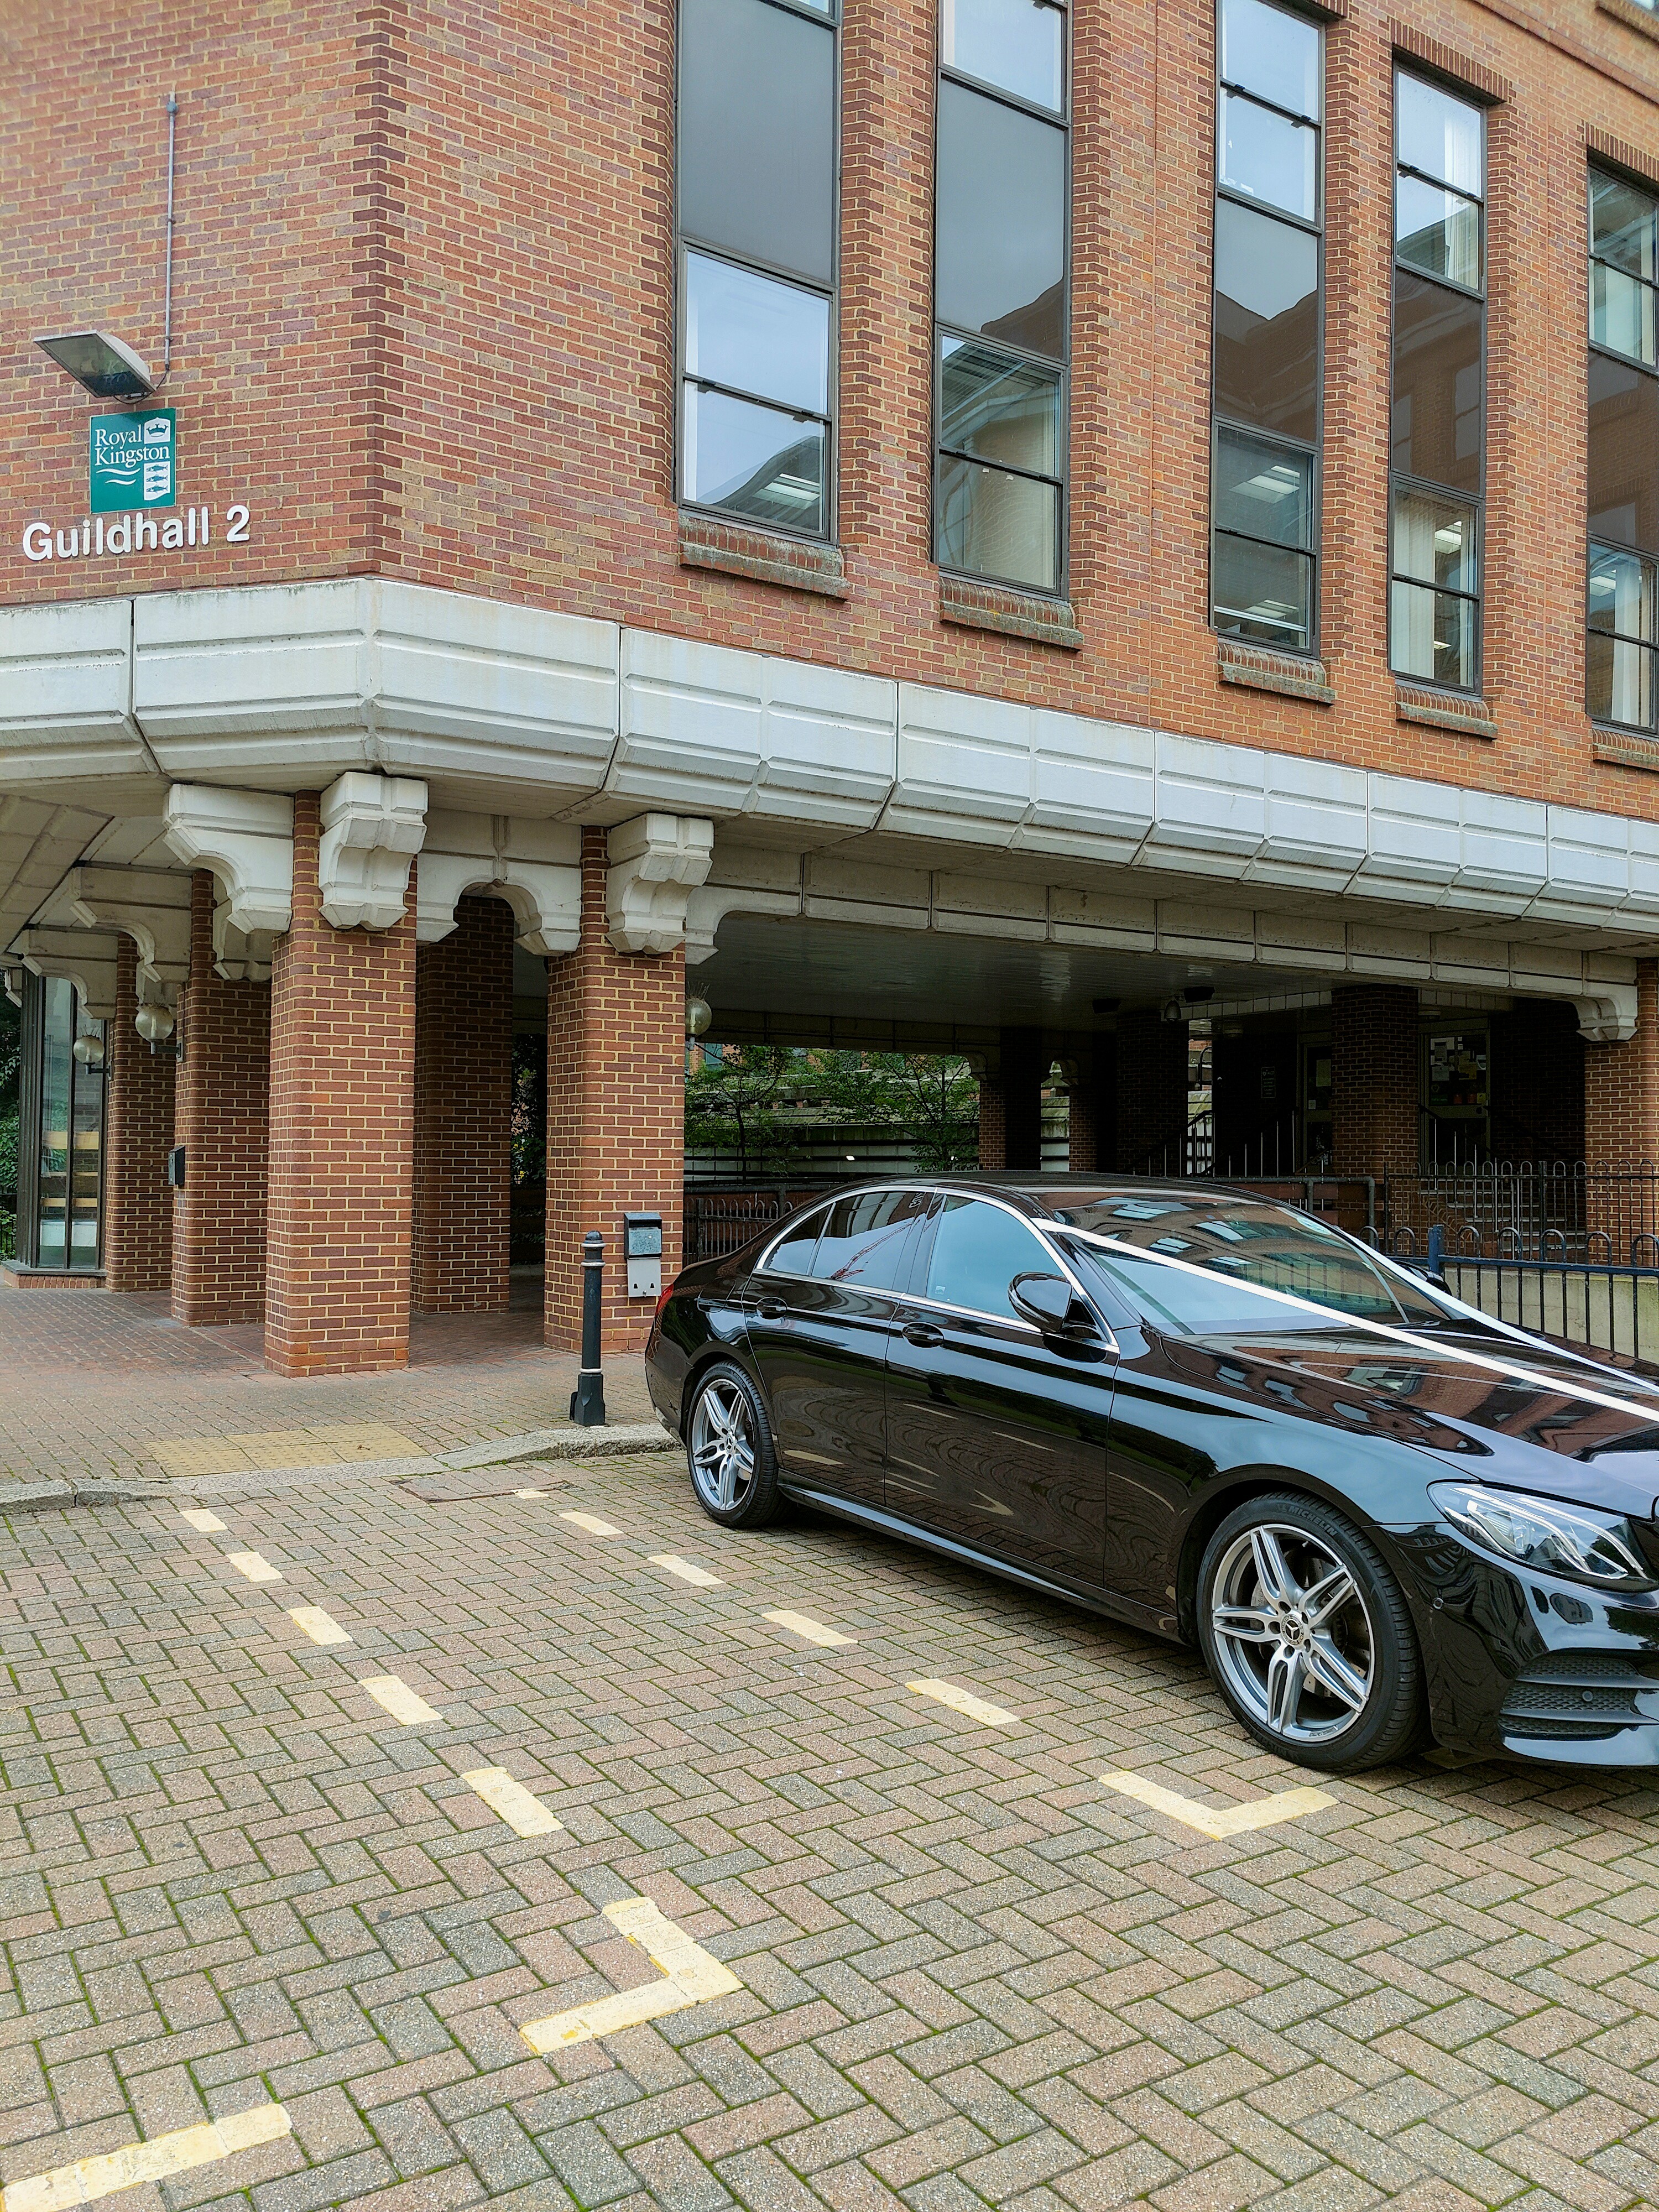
(107, 367)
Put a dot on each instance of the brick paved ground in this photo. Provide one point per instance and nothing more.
(970, 1974)
(88, 1381)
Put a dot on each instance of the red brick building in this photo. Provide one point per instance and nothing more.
(973, 524)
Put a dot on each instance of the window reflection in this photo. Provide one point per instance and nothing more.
(1621, 679)
(1018, 45)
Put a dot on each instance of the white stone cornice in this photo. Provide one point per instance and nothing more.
(146, 904)
(240, 956)
(373, 827)
(82, 957)
(536, 866)
(656, 861)
(247, 839)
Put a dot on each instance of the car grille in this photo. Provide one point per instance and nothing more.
(1579, 1696)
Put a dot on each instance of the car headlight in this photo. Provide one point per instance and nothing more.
(1577, 1541)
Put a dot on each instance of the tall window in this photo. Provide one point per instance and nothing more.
(1624, 453)
(757, 166)
(1437, 426)
(1001, 254)
(1264, 564)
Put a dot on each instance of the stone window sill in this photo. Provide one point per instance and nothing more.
(1015, 614)
(763, 558)
(1625, 748)
(1639, 19)
(1444, 710)
(1261, 670)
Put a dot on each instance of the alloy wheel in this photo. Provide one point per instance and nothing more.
(1292, 1633)
(723, 1446)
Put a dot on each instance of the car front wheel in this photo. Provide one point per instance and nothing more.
(1309, 1636)
(728, 1447)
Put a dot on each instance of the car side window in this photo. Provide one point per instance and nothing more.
(794, 1255)
(977, 1251)
(867, 1240)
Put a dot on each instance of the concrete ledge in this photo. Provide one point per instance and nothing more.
(1015, 614)
(1261, 670)
(535, 1446)
(1444, 710)
(763, 558)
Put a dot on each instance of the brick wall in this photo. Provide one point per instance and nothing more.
(222, 1120)
(1092, 1084)
(1375, 1080)
(1150, 1115)
(1621, 1088)
(992, 1125)
(616, 1112)
(138, 1132)
(463, 1098)
(342, 1082)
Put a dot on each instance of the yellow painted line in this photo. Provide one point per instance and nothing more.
(321, 1627)
(254, 1566)
(963, 1701)
(530, 1493)
(523, 1811)
(403, 1704)
(330, 1445)
(687, 1573)
(811, 1632)
(692, 1975)
(206, 1523)
(90, 2178)
(593, 1525)
(1235, 1820)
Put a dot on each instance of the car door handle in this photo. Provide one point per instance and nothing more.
(923, 1332)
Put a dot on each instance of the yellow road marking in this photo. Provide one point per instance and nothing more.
(403, 1704)
(321, 1627)
(592, 1523)
(90, 2178)
(686, 1571)
(812, 1631)
(530, 1493)
(1235, 1820)
(254, 1566)
(523, 1811)
(693, 1977)
(330, 1445)
(206, 1523)
(964, 1701)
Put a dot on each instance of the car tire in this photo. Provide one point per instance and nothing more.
(1309, 1636)
(729, 1451)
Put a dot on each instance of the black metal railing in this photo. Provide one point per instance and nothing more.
(1604, 1308)
(1545, 1211)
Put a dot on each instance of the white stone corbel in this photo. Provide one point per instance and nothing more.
(657, 860)
(240, 956)
(82, 957)
(707, 907)
(373, 827)
(247, 839)
(536, 866)
(11, 982)
(150, 906)
(1608, 1017)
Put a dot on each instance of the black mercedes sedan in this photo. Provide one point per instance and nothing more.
(1382, 1518)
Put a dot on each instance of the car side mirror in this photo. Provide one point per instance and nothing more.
(1050, 1304)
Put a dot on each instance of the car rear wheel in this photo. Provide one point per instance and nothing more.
(728, 1448)
(1309, 1636)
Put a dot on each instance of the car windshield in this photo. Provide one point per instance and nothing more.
(1229, 1250)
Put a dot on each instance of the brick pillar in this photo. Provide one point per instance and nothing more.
(1091, 1088)
(1374, 1079)
(341, 1084)
(1150, 1088)
(137, 1133)
(1538, 1082)
(616, 1111)
(992, 1124)
(1024, 1066)
(223, 1119)
(1621, 1086)
(462, 1105)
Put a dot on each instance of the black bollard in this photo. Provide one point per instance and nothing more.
(587, 1399)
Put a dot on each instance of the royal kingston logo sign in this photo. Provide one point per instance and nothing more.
(129, 461)
(132, 467)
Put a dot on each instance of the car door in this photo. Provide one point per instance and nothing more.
(995, 1435)
(819, 1312)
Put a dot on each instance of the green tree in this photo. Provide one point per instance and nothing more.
(731, 1105)
(935, 1104)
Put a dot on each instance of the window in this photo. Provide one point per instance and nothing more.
(792, 1254)
(1267, 327)
(1624, 455)
(758, 171)
(60, 1133)
(1437, 433)
(1001, 256)
(867, 1240)
(977, 1251)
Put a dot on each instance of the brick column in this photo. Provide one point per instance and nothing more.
(1374, 1079)
(1621, 1086)
(616, 1111)
(222, 1120)
(1024, 1066)
(1091, 1088)
(462, 1105)
(992, 1123)
(1150, 1093)
(342, 1083)
(137, 1133)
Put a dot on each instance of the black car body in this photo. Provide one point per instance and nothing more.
(1092, 1441)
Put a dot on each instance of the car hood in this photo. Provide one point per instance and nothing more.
(1532, 1415)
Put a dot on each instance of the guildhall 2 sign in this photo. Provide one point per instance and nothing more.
(132, 467)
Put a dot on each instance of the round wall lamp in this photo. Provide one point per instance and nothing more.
(89, 1051)
(698, 1015)
(154, 1024)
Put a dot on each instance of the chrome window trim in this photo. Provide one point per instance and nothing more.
(763, 1264)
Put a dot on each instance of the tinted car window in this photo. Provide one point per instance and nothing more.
(793, 1257)
(977, 1250)
(866, 1239)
